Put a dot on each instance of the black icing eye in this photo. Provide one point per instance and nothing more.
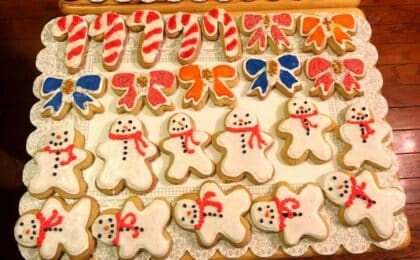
(259, 209)
(334, 177)
(305, 102)
(294, 104)
(184, 205)
(183, 119)
(193, 206)
(100, 221)
(363, 108)
(353, 109)
(173, 121)
(268, 206)
(32, 221)
(235, 115)
(110, 219)
(119, 122)
(330, 189)
(130, 121)
(247, 114)
(66, 132)
(52, 134)
(21, 223)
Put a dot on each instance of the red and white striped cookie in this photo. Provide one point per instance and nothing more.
(231, 39)
(72, 28)
(110, 28)
(191, 35)
(150, 44)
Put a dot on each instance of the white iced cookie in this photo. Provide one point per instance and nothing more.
(135, 228)
(292, 215)
(59, 228)
(361, 200)
(215, 214)
(127, 155)
(60, 163)
(244, 146)
(304, 130)
(185, 145)
(367, 140)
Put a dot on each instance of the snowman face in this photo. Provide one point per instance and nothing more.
(186, 213)
(179, 123)
(265, 215)
(337, 186)
(105, 228)
(300, 106)
(27, 229)
(358, 112)
(241, 118)
(127, 124)
(60, 138)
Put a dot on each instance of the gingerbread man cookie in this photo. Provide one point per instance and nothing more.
(127, 155)
(244, 146)
(186, 148)
(59, 228)
(60, 163)
(291, 214)
(214, 214)
(135, 228)
(204, 82)
(367, 140)
(304, 130)
(361, 200)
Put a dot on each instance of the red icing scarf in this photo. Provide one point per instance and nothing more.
(121, 224)
(366, 125)
(357, 192)
(51, 221)
(306, 123)
(202, 203)
(282, 208)
(69, 150)
(255, 133)
(137, 137)
(188, 136)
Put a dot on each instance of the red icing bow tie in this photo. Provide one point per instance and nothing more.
(255, 133)
(188, 136)
(127, 221)
(366, 125)
(69, 150)
(206, 202)
(137, 137)
(357, 191)
(51, 221)
(306, 123)
(282, 208)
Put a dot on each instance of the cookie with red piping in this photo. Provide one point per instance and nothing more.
(291, 214)
(61, 162)
(215, 214)
(127, 155)
(135, 228)
(362, 200)
(50, 228)
(186, 148)
(304, 130)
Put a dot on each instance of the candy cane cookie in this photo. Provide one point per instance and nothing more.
(72, 28)
(219, 22)
(110, 28)
(191, 35)
(150, 43)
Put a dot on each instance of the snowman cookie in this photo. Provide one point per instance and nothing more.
(59, 228)
(291, 214)
(367, 140)
(304, 130)
(127, 155)
(244, 148)
(186, 145)
(136, 228)
(215, 214)
(60, 165)
(361, 200)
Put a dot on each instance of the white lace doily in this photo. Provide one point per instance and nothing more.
(353, 239)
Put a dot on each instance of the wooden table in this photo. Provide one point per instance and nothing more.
(396, 34)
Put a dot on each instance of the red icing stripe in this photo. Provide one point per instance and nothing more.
(189, 42)
(81, 34)
(171, 23)
(61, 23)
(112, 44)
(75, 52)
(98, 22)
(116, 28)
(188, 53)
(153, 16)
(231, 45)
(137, 16)
(185, 19)
(209, 27)
(76, 20)
(157, 30)
(153, 46)
(192, 29)
(226, 19)
(110, 58)
(230, 31)
(214, 13)
(111, 17)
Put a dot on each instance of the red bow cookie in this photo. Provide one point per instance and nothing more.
(330, 74)
(335, 30)
(267, 30)
(152, 87)
(202, 82)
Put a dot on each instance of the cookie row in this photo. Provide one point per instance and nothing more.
(127, 152)
(263, 31)
(213, 214)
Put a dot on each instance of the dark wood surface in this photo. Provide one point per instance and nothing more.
(396, 34)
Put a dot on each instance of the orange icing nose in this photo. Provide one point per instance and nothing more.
(301, 107)
(267, 214)
(125, 127)
(58, 137)
(180, 124)
(360, 114)
(189, 213)
(340, 186)
(27, 231)
(106, 228)
(240, 120)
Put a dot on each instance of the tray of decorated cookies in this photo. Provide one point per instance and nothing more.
(209, 134)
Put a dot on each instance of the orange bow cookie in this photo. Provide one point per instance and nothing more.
(202, 82)
(335, 30)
